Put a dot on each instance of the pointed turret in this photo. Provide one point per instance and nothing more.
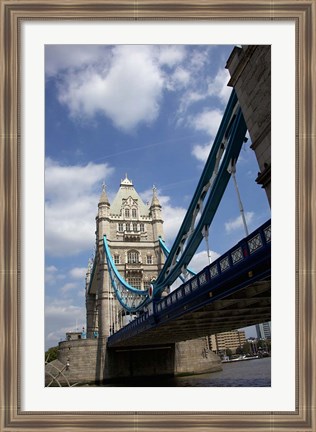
(104, 198)
(155, 211)
(155, 201)
(103, 213)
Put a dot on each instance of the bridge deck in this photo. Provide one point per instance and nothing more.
(232, 292)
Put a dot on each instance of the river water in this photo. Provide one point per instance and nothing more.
(250, 373)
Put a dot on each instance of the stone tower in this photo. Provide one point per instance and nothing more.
(132, 229)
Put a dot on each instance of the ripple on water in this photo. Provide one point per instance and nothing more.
(251, 373)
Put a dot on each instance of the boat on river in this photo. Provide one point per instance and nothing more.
(240, 358)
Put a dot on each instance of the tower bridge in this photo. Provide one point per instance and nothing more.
(131, 277)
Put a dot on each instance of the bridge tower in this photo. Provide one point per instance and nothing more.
(250, 70)
(132, 229)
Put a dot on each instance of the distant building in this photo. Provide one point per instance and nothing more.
(227, 340)
(264, 330)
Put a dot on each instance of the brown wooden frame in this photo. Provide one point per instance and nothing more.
(303, 13)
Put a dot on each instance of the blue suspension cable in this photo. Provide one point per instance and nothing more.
(131, 299)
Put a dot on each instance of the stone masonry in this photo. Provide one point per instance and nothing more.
(250, 70)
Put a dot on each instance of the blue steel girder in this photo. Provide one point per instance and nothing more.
(213, 181)
(167, 252)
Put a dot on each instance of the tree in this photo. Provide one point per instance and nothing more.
(229, 352)
(239, 350)
(51, 354)
(247, 348)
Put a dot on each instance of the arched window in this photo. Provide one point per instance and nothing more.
(134, 213)
(135, 227)
(142, 227)
(133, 257)
(127, 212)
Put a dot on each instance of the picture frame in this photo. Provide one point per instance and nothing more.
(303, 14)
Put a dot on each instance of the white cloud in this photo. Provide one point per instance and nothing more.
(171, 55)
(207, 121)
(179, 79)
(125, 83)
(71, 181)
(201, 152)
(71, 206)
(61, 57)
(202, 86)
(69, 286)
(201, 260)
(218, 86)
(237, 223)
(200, 57)
(78, 272)
(173, 217)
(128, 91)
(51, 269)
(52, 275)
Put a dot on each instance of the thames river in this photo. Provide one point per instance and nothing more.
(250, 373)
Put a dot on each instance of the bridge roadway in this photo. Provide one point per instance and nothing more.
(232, 292)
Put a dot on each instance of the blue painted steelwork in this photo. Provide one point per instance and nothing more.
(167, 252)
(130, 298)
(247, 262)
(213, 182)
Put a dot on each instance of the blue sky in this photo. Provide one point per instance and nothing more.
(149, 111)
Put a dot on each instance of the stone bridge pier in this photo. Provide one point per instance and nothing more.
(176, 359)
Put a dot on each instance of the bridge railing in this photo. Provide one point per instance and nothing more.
(234, 257)
(211, 277)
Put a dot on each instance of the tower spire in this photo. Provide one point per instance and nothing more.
(155, 200)
(104, 198)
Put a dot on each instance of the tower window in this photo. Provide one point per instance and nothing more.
(149, 259)
(142, 227)
(120, 227)
(135, 281)
(127, 213)
(134, 227)
(134, 214)
(116, 259)
(133, 257)
(128, 227)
